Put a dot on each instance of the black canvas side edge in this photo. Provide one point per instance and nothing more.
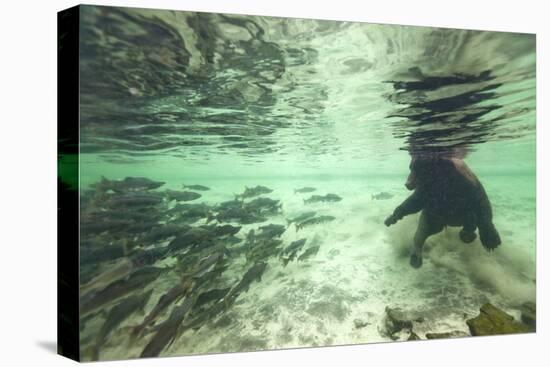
(68, 343)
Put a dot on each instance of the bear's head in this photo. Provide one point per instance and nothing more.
(428, 169)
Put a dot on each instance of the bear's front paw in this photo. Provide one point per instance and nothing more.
(416, 261)
(390, 220)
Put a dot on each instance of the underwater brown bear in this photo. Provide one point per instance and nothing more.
(449, 194)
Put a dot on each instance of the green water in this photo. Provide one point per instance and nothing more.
(231, 102)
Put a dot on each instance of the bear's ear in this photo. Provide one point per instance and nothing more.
(448, 163)
(462, 168)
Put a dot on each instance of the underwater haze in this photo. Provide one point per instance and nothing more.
(236, 173)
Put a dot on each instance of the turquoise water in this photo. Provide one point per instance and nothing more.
(230, 102)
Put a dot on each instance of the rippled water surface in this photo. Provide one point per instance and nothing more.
(233, 101)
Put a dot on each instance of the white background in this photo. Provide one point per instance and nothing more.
(28, 182)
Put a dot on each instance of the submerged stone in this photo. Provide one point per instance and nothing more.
(396, 320)
(447, 335)
(493, 321)
(358, 323)
(250, 343)
(529, 314)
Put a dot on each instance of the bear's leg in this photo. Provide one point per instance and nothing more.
(468, 232)
(488, 234)
(490, 239)
(427, 225)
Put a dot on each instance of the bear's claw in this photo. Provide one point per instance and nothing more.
(390, 220)
(490, 239)
(416, 261)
